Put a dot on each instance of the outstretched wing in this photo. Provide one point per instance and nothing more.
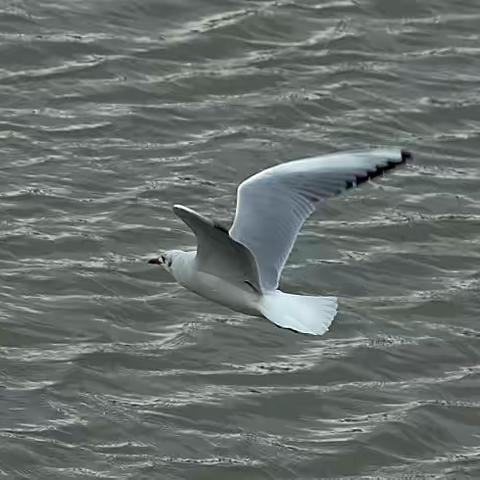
(218, 253)
(273, 204)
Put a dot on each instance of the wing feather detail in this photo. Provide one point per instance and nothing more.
(273, 204)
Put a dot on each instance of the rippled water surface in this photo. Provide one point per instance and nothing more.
(112, 111)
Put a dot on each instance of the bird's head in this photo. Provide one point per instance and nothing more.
(166, 259)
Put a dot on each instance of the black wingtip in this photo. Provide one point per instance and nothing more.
(406, 156)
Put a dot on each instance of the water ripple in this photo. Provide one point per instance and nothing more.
(111, 113)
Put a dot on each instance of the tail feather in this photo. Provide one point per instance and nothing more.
(304, 314)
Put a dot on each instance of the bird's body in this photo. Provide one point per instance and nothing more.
(238, 296)
(240, 268)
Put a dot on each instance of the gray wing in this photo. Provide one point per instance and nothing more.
(218, 253)
(273, 204)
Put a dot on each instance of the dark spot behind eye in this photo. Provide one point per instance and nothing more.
(169, 262)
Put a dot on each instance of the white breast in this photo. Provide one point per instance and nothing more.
(239, 297)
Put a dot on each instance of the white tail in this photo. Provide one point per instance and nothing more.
(305, 314)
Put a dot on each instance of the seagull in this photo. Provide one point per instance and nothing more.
(240, 268)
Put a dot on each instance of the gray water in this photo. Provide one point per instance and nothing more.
(111, 112)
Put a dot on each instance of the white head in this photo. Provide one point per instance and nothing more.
(167, 259)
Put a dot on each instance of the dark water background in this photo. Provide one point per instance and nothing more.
(112, 111)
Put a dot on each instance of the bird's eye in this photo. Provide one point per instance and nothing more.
(163, 258)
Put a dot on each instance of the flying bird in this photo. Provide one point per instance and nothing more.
(241, 267)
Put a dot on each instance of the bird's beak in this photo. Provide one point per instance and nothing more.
(155, 261)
